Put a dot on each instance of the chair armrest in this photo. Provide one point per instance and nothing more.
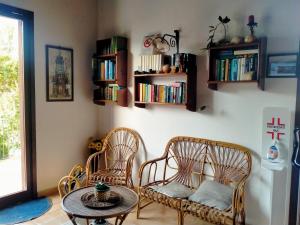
(93, 159)
(152, 166)
(238, 200)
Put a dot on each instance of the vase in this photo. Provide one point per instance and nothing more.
(249, 38)
(101, 195)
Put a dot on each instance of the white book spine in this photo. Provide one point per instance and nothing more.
(147, 63)
(246, 52)
(156, 63)
(142, 63)
(159, 62)
(151, 62)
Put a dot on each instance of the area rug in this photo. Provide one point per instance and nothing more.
(25, 211)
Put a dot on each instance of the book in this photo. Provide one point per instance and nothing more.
(118, 44)
(106, 70)
(246, 52)
(234, 69)
(102, 71)
(226, 69)
(174, 93)
(222, 70)
(243, 61)
(217, 73)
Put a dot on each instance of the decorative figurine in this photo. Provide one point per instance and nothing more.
(251, 24)
(162, 44)
(273, 151)
(166, 68)
(95, 144)
(212, 31)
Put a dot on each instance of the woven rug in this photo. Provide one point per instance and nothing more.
(25, 211)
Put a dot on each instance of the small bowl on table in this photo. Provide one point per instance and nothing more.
(101, 192)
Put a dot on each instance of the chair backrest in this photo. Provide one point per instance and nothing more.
(67, 184)
(78, 171)
(196, 159)
(119, 147)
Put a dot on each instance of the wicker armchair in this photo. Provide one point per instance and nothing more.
(78, 171)
(190, 161)
(68, 184)
(119, 149)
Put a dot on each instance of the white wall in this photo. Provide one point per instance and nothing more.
(234, 113)
(62, 129)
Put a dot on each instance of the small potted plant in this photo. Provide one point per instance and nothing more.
(101, 191)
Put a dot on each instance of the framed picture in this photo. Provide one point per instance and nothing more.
(282, 65)
(59, 73)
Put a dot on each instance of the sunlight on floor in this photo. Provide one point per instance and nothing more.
(10, 173)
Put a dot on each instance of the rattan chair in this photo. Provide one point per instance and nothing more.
(78, 171)
(189, 161)
(65, 186)
(119, 149)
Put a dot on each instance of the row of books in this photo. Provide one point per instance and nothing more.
(111, 46)
(237, 65)
(106, 70)
(109, 92)
(150, 62)
(242, 68)
(174, 93)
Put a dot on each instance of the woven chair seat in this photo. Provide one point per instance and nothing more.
(155, 196)
(113, 177)
(209, 214)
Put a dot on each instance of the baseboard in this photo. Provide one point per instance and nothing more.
(48, 192)
(54, 191)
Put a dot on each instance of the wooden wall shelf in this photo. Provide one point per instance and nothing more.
(215, 58)
(186, 80)
(103, 102)
(239, 81)
(107, 51)
(160, 75)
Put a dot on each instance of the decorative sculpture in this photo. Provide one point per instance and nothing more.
(164, 43)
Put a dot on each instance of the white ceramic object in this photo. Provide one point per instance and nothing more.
(249, 39)
(236, 40)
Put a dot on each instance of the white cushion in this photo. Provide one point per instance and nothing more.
(213, 194)
(174, 189)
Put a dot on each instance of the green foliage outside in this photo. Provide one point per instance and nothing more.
(9, 106)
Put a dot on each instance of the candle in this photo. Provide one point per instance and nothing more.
(251, 19)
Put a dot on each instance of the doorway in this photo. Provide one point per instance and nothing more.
(17, 107)
(294, 210)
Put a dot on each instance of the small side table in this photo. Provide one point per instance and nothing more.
(74, 208)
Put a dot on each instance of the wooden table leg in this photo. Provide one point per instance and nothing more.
(120, 219)
(72, 218)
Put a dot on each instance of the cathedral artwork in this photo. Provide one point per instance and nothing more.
(59, 68)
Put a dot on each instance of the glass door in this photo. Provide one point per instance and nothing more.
(17, 152)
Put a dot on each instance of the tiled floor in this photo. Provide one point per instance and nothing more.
(152, 215)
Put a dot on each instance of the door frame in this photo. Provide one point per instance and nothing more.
(294, 192)
(29, 92)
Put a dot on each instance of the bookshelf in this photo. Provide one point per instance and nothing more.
(238, 63)
(110, 72)
(169, 89)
